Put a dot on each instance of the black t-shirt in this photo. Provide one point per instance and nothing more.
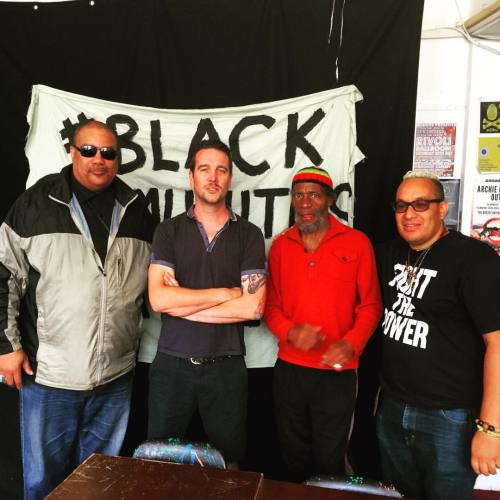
(432, 345)
(181, 243)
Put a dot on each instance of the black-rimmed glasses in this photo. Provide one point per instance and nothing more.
(89, 151)
(420, 205)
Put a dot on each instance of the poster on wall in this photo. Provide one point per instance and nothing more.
(488, 155)
(489, 117)
(452, 195)
(486, 212)
(435, 148)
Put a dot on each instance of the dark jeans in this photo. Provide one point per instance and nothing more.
(314, 410)
(61, 428)
(426, 453)
(219, 391)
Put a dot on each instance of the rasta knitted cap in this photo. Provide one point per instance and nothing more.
(313, 174)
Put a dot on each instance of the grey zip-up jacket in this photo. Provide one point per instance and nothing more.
(77, 319)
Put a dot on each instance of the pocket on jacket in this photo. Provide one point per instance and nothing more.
(343, 265)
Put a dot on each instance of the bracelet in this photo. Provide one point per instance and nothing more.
(487, 428)
(487, 432)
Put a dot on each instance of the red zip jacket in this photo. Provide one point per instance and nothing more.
(336, 287)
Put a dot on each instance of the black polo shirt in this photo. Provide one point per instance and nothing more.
(237, 249)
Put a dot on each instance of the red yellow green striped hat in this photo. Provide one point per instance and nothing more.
(313, 174)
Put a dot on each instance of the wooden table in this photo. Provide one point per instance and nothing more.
(112, 478)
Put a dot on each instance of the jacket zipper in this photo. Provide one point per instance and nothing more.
(102, 316)
(104, 279)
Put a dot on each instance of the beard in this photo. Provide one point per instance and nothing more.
(310, 227)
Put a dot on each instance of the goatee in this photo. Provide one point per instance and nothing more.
(309, 227)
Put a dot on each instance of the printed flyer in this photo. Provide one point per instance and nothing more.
(486, 212)
(452, 195)
(489, 117)
(488, 157)
(435, 148)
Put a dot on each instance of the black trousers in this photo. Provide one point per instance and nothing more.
(218, 390)
(314, 410)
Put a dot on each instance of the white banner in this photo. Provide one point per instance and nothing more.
(269, 142)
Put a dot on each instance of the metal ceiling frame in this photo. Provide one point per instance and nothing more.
(486, 23)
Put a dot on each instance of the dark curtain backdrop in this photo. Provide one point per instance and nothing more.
(216, 53)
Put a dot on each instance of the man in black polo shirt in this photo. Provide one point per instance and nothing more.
(207, 276)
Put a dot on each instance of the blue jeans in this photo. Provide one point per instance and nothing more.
(60, 428)
(426, 453)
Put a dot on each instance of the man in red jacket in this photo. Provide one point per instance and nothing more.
(323, 305)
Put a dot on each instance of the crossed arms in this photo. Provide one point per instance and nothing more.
(208, 305)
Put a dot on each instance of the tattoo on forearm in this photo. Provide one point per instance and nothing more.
(253, 281)
(260, 308)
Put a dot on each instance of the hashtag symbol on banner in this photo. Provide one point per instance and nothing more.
(69, 129)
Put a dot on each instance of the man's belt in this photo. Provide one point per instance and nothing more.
(205, 360)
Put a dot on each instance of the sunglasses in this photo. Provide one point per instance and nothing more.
(89, 151)
(400, 207)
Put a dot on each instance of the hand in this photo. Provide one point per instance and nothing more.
(485, 453)
(169, 280)
(11, 366)
(305, 337)
(338, 354)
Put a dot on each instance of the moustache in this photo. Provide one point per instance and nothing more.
(100, 167)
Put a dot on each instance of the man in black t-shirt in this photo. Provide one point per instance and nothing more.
(207, 276)
(441, 350)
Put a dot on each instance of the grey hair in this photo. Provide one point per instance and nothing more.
(426, 174)
(420, 174)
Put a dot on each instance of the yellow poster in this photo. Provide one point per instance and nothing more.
(488, 157)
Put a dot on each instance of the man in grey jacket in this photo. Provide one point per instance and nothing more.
(74, 252)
